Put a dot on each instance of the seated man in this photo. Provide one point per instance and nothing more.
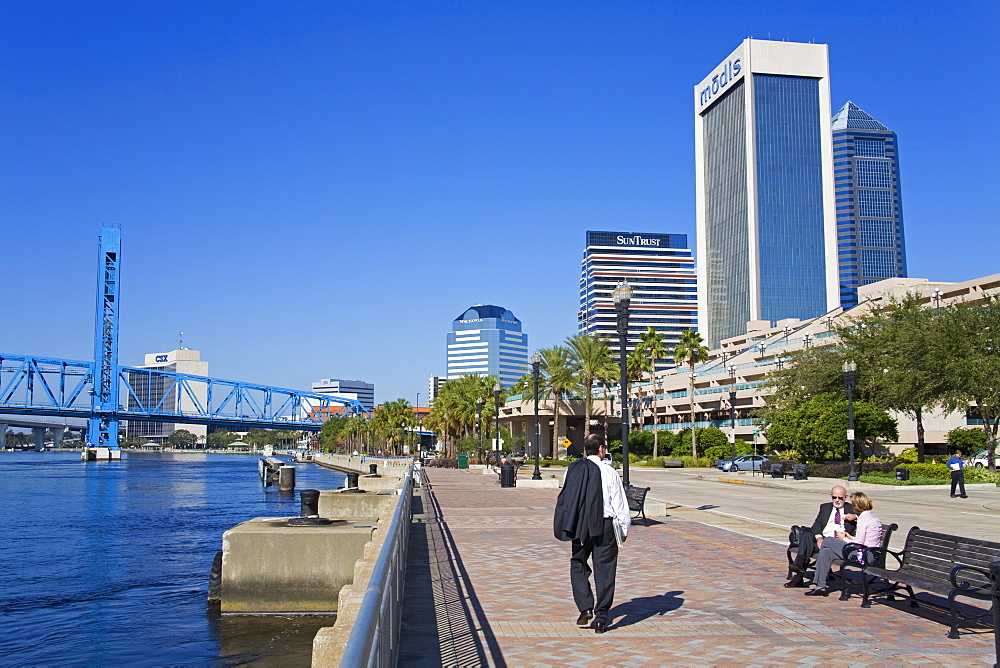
(838, 515)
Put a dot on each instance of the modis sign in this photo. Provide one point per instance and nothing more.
(728, 72)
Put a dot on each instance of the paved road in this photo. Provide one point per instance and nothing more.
(740, 502)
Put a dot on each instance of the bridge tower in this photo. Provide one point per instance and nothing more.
(102, 431)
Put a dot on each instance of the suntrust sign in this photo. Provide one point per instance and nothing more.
(636, 240)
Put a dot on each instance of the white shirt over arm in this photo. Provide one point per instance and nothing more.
(615, 503)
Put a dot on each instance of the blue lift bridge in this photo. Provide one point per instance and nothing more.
(104, 393)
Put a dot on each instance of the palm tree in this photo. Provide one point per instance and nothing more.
(591, 360)
(651, 342)
(557, 379)
(691, 349)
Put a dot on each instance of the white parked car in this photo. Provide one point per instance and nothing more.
(979, 459)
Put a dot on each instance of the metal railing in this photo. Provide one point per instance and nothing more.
(374, 640)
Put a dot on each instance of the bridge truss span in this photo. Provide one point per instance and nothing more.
(31, 385)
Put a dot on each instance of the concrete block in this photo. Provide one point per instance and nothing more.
(269, 566)
(335, 504)
(548, 483)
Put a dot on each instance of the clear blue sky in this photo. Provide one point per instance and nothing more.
(317, 189)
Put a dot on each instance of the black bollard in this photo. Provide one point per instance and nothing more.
(309, 499)
(352, 479)
(373, 469)
(508, 475)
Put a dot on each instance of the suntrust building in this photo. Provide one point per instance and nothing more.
(765, 199)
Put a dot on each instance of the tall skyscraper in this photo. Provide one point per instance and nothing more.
(869, 204)
(764, 171)
(487, 341)
(660, 269)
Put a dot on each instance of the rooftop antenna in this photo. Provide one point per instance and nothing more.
(180, 340)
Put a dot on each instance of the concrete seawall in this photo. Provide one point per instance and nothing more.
(388, 466)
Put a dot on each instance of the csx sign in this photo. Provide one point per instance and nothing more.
(161, 358)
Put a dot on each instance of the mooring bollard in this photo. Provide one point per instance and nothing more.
(309, 503)
(286, 478)
(373, 470)
(352, 479)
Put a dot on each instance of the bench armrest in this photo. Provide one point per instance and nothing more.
(868, 555)
(953, 576)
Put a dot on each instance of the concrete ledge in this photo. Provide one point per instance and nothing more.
(335, 504)
(547, 483)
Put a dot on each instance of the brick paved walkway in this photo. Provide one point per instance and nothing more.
(488, 584)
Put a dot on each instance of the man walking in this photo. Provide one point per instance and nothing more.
(590, 509)
(837, 515)
(957, 466)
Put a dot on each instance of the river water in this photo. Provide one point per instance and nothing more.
(107, 563)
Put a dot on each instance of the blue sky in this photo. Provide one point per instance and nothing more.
(317, 189)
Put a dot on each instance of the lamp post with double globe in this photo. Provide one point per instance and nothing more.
(622, 297)
(479, 422)
(732, 416)
(536, 361)
(850, 379)
(496, 419)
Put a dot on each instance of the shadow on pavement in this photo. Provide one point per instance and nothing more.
(639, 609)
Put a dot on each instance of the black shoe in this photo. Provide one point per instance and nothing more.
(818, 591)
(600, 627)
(796, 581)
(965, 496)
(795, 568)
(584, 618)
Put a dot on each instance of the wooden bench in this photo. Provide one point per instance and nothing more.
(636, 497)
(943, 564)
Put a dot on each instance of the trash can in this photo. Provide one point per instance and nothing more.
(902, 474)
(799, 472)
(463, 461)
(508, 475)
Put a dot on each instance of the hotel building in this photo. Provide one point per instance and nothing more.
(358, 390)
(660, 269)
(870, 245)
(766, 220)
(487, 340)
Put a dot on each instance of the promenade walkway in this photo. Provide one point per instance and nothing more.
(487, 584)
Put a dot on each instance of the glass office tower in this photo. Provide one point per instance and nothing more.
(870, 245)
(660, 269)
(766, 217)
(486, 340)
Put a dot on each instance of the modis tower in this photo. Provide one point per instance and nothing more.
(767, 247)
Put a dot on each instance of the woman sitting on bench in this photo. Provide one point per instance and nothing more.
(868, 533)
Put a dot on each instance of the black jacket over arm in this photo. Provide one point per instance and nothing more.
(580, 507)
(825, 510)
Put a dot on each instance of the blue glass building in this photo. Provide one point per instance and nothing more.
(766, 218)
(487, 341)
(870, 244)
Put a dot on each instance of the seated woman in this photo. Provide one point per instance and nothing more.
(868, 533)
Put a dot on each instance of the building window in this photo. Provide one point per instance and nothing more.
(877, 233)
(878, 263)
(869, 148)
(875, 203)
(874, 174)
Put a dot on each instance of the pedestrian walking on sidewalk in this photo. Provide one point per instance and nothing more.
(592, 512)
(957, 466)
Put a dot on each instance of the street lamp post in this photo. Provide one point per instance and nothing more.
(496, 418)
(622, 297)
(850, 378)
(732, 415)
(536, 360)
(806, 340)
(479, 421)
(936, 296)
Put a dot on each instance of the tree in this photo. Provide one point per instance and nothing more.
(691, 349)
(969, 441)
(182, 438)
(652, 344)
(590, 357)
(967, 353)
(453, 414)
(220, 438)
(817, 428)
(557, 375)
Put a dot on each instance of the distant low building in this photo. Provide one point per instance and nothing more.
(151, 389)
(358, 390)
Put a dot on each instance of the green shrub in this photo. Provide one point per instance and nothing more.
(691, 462)
(938, 472)
(909, 455)
(885, 479)
(968, 439)
(982, 475)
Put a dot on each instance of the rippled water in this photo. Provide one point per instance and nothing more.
(107, 563)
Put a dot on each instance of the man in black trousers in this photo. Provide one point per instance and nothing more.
(591, 503)
(836, 515)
